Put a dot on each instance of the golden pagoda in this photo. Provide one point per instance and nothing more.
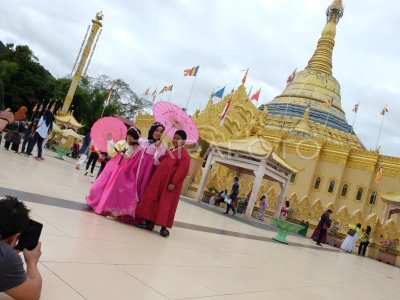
(306, 127)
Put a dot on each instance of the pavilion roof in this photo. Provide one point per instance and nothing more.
(254, 146)
(68, 119)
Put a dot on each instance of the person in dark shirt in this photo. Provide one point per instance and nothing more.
(324, 224)
(233, 196)
(14, 281)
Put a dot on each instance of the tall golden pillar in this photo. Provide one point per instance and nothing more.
(82, 60)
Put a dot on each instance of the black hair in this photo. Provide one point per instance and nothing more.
(14, 217)
(153, 129)
(135, 133)
(236, 178)
(287, 203)
(358, 225)
(368, 229)
(182, 134)
(329, 211)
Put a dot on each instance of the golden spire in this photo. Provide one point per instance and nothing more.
(322, 58)
(303, 125)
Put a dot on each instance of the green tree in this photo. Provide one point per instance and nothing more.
(1, 95)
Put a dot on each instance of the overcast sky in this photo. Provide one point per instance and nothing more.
(150, 43)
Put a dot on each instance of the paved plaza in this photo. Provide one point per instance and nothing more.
(208, 256)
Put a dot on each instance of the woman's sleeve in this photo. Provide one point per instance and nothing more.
(111, 149)
(182, 170)
(158, 154)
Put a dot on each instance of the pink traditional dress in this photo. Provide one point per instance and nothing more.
(114, 192)
(149, 161)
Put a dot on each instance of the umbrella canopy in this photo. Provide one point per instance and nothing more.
(174, 118)
(103, 128)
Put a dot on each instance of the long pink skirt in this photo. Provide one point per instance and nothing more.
(115, 191)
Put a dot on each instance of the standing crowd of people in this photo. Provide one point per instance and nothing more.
(30, 134)
(142, 180)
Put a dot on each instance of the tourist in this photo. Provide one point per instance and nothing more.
(220, 197)
(14, 281)
(154, 149)
(75, 149)
(317, 229)
(28, 135)
(6, 118)
(230, 203)
(114, 193)
(263, 207)
(364, 241)
(45, 125)
(324, 224)
(160, 200)
(351, 238)
(93, 157)
(104, 158)
(84, 150)
(13, 136)
(284, 210)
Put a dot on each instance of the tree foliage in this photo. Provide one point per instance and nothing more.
(26, 82)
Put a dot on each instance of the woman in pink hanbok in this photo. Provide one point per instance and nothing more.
(115, 192)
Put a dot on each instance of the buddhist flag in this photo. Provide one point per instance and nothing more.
(170, 88)
(154, 95)
(191, 71)
(379, 174)
(245, 76)
(146, 92)
(355, 108)
(225, 111)
(328, 102)
(384, 110)
(291, 77)
(256, 95)
(109, 94)
(219, 93)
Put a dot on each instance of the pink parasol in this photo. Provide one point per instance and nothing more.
(103, 128)
(174, 118)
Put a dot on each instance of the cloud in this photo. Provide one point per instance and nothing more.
(150, 43)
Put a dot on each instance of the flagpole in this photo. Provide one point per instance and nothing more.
(380, 130)
(190, 94)
(169, 96)
(355, 116)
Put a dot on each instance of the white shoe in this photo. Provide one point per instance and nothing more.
(91, 175)
(86, 172)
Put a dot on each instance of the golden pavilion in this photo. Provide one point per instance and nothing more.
(299, 136)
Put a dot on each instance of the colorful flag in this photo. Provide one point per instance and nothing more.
(384, 110)
(355, 108)
(225, 111)
(249, 93)
(328, 102)
(291, 77)
(191, 71)
(109, 95)
(146, 92)
(245, 76)
(379, 174)
(219, 93)
(166, 88)
(256, 95)
(154, 94)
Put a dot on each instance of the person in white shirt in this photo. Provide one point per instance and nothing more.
(44, 127)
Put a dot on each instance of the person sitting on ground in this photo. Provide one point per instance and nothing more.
(233, 197)
(220, 197)
(14, 281)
